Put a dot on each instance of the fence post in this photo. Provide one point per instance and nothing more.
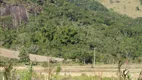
(3, 78)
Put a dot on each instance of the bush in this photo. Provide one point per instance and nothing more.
(137, 8)
(141, 2)
(24, 56)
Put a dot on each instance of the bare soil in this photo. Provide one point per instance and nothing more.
(14, 54)
(128, 7)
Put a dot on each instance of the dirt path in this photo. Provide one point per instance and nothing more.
(14, 54)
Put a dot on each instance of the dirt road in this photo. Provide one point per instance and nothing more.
(14, 54)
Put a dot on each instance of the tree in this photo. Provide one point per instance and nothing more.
(24, 56)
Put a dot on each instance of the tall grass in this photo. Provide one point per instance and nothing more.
(53, 73)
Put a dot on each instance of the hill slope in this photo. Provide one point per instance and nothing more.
(132, 8)
(15, 54)
(72, 29)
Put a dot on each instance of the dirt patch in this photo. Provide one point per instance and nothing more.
(132, 8)
(14, 54)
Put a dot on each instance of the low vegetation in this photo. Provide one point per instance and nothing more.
(52, 72)
(141, 2)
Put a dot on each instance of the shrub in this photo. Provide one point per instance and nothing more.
(141, 2)
(111, 1)
(137, 8)
(24, 56)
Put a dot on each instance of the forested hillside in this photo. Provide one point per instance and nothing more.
(73, 28)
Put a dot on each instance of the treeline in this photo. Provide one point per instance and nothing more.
(72, 29)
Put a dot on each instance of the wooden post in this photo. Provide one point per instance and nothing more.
(3, 78)
(94, 62)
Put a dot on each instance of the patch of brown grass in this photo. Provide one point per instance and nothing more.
(128, 7)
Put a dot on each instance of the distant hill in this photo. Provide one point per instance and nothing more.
(132, 8)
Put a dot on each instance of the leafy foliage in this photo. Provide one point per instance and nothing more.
(141, 2)
(24, 57)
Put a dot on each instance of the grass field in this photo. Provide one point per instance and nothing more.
(103, 71)
(128, 7)
(107, 71)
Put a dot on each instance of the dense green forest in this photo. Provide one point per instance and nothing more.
(73, 28)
